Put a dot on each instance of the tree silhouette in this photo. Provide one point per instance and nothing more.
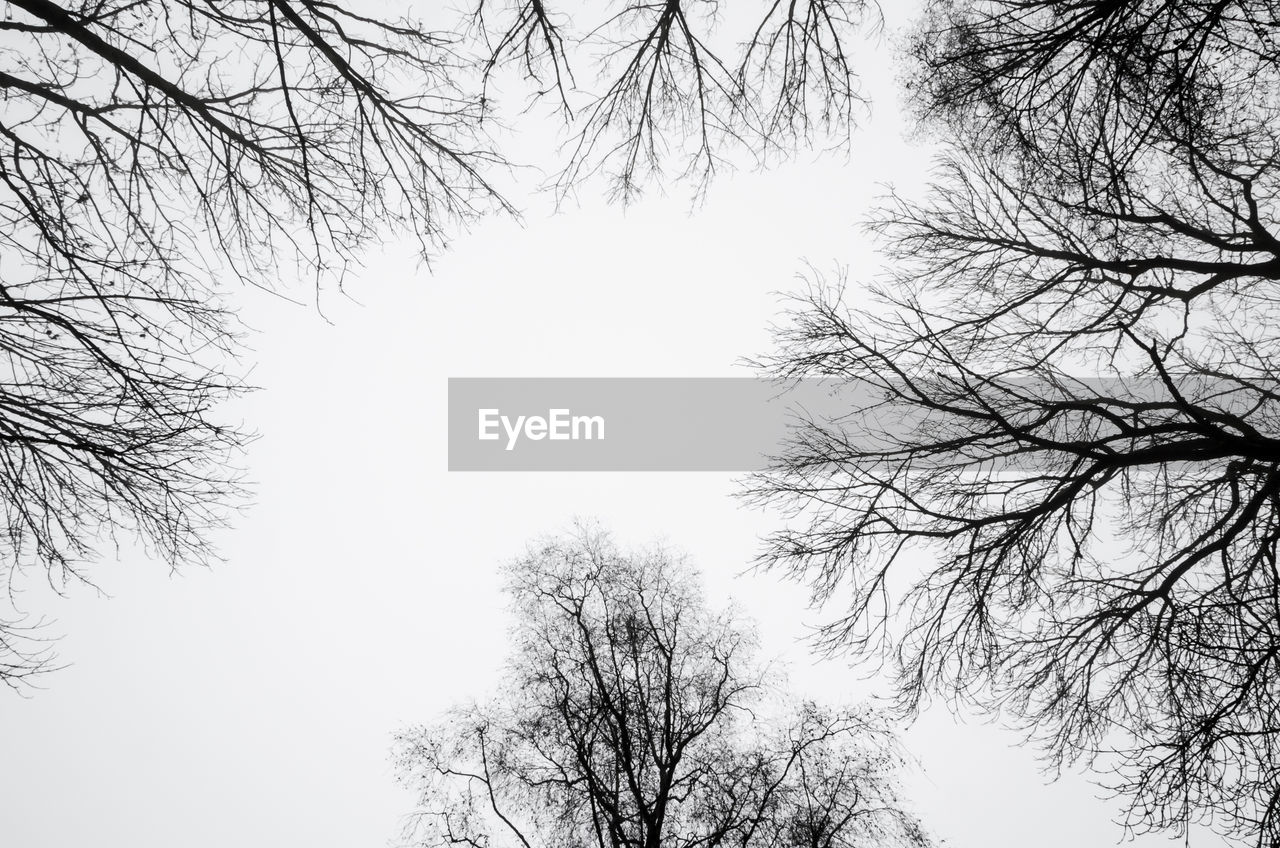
(675, 90)
(1075, 425)
(149, 152)
(153, 154)
(632, 717)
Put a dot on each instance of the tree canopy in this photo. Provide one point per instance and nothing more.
(1075, 465)
(632, 716)
(155, 155)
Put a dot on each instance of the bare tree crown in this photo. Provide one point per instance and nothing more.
(1077, 328)
(634, 717)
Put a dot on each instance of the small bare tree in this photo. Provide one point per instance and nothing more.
(673, 90)
(629, 718)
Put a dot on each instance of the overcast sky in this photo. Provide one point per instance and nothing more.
(253, 704)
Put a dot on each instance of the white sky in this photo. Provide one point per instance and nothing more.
(253, 704)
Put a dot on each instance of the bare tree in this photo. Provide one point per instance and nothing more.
(1026, 73)
(149, 152)
(154, 151)
(631, 717)
(673, 90)
(1064, 502)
